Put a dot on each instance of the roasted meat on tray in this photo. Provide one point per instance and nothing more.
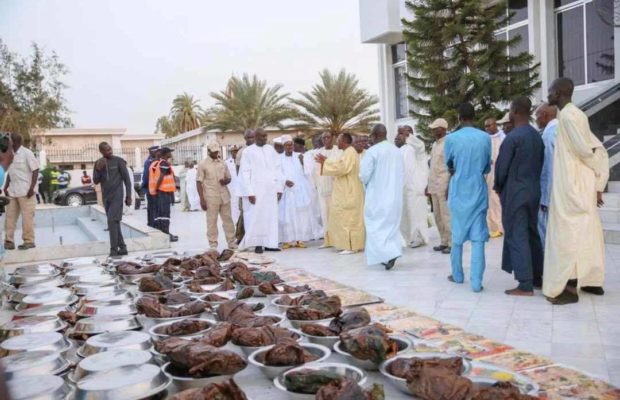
(286, 352)
(262, 336)
(199, 360)
(242, 315)
(185, 327)
(215, 297)
(302, 300)
(309, 381)
(225, 255)
(155, 283)
(227, 390)
(347, 389)
(402, 366)
(152, 308)
(501, 391)
(369, 343)
(317, 309)
(217, 336)
(132, 268)
(175, 298)
(270, 288)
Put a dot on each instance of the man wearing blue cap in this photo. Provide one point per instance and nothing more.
(150, 200)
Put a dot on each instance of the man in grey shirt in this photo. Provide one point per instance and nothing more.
(111, 172)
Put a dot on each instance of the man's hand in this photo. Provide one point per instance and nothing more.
(599, 199)
(128, 201)
(289, 184)
(30, 193)
(100, 164)
(224, 181)
(203, 205)
(252, 199)
(320, 158)
(279, 196)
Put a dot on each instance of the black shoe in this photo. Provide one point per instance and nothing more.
(258, 250)
(272, 249)
(440, 248)
(597, 290)
(566, 297)
(122, 251)
(26, 246)
(174, 238)
(390, 264)
(9, 246)
(447, 250)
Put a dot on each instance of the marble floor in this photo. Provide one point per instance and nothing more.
(585, 335)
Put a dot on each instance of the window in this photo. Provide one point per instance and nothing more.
(517, 26)
(585, 41)
(519, 8)
(401, 90)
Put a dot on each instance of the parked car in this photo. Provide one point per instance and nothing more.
(75, 197)
(85, 195)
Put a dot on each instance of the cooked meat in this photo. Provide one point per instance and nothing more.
(286, 352)
(155, 283)
(217, 336)
(316, 309)
(199, 360)
(302, 300)
(152, 308)
(215, 297)
(175, 298)
(195, 287)
(501, 391)
(227, 390)
(262, 336)
(242, 274)
(369, 343)
(185, 327)
(347, 389)
(245, 293)
(242, 315)
(309, 381)
(132, 268)
(438, 383)
(350, 319)
(224, 286)
(68, 316)
(226, 255)
(318, 330)
(208, 271)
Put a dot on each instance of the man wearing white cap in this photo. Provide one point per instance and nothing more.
(261, 177)
(506, 125)
(295, 216)
(437, 188)
(278, 146)
(211, 183)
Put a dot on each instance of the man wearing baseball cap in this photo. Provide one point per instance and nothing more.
(437, 188)
(213, 178)
(162, 186)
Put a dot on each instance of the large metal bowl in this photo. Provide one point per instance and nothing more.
(299, 323)
(23, 326)
(328, 341)
(247, 350)
(109, 360)
(157, 331)
(53, 341)
(130, 382)
(49, 310)
(50, 296)
(106, 323)
(401, 383)
(113, 307)
(134, 279)
(281, 307)
(111, 341)
(117, 294)
(30, 363)
(22, 280)
(18, 295)
(37, 270)
(40, 387)
(344, 370)
(183, 382)
(271, 372)
(96, 275)
(403, 345)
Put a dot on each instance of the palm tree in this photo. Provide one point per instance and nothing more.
(185, 113)
(248, 103)
(337, 104)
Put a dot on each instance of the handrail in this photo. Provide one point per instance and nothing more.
(599, 98)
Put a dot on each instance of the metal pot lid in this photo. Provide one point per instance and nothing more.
(116, 340)
(50, 309)
(41, 387)
(36, 341)
(34, 363)
(106, 323)
(37, 270)
(114, 359)
(49, 296)
(124, 383)
(43, 323)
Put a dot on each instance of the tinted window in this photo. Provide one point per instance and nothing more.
(600, 42)
(560, 3)
(570, 45)
(400, 92)
(519, 8)
(398, 53)
(523, 45)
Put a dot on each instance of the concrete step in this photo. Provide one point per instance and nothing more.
(607, 137)
(611, 200)
(95, 230)
(611, 233)
(613, 187)
(609, 214)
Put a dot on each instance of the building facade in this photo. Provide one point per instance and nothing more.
(579, 39)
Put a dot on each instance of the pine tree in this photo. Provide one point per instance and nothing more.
(454, 56)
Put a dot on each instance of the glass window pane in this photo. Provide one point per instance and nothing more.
(570, 45)
(560, 3)
(600, 43)
(398, 53)
(400, 92)
(523, 45)
(519, 8)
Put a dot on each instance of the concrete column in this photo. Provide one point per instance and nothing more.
(42, 159)
(138, 157)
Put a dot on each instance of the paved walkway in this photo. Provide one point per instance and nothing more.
(584, 335)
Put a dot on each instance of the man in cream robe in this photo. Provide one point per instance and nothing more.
(193, 199)
(324, 184)
(494, 213)
(345, 230)
(232, 186)
(414, 221)
(261, 185)
(574, 247)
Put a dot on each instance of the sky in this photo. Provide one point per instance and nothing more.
(129, 58)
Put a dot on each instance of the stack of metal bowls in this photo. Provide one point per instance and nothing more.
(129, 382)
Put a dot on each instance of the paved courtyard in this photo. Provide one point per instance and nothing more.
(585, 336)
